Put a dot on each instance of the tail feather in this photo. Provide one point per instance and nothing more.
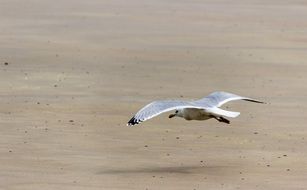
(221, 112)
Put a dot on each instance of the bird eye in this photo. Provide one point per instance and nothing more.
(176, 111)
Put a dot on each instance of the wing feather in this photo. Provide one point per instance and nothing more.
(217, 99)
(158, 107)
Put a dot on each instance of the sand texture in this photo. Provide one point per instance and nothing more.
(72, 73)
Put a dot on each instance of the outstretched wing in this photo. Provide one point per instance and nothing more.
(217, 99)
(158, 107)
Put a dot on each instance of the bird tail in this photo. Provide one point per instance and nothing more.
(221, 112)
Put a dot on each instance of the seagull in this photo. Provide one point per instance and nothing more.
(202, 109)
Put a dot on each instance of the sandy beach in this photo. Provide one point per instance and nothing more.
(72, 73)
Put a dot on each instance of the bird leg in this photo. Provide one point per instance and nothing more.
(221, 119)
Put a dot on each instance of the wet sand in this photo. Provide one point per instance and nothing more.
(73, 73)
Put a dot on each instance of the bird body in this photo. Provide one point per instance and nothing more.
(203, 109)
(193, 114)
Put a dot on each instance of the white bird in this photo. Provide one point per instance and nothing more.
(203, 109)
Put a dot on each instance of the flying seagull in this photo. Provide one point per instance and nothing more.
(203, 109)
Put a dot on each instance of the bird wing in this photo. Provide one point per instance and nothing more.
(217, 99)
(158, 107)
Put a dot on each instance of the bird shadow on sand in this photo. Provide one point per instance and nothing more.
(168, 170)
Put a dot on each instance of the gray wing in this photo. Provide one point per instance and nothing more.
(158, 107)
(217, 99)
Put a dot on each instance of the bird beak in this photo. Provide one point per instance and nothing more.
(172, 115)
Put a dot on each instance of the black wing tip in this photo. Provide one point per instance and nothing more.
(133, 121)
(256, 101)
